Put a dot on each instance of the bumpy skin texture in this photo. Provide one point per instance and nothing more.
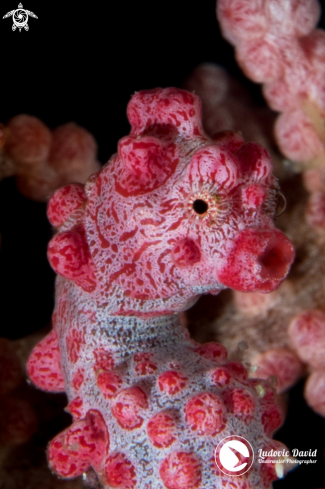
(173, 215)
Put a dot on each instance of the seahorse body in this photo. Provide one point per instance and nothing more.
(173, 215)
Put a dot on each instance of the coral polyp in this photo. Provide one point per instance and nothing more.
(173, 215)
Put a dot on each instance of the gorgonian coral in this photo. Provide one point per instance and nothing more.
(277, 45)
(43, 160)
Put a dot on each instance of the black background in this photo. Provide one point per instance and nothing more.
(82, 62)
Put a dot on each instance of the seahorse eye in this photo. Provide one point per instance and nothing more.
(281, 204)
(200, 206)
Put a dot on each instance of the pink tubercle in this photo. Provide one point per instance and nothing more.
(181, 470)
(171, 382)
(315, 391)
(241, 403)
(120, 472)
(205, 414)
(79, 447)
(307, 337)
(162, 430)
(282, 363)
(64, 202)
(44, 366)
(109, 383)
(127, 407)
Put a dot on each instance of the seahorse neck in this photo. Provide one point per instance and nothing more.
(130, 334)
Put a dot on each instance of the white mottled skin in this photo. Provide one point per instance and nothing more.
(169, 342)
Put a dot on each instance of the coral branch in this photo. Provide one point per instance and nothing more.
(277, 45)
(44, 160)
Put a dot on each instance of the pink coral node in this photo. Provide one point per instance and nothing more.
(315, 391)
(307, 336)
(28, 140)
(44, 367)
(282, 363)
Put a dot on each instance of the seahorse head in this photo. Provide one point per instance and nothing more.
(176, 213)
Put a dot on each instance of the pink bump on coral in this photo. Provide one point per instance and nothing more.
(44, 367)
(238, 371)
(109, 383)
(28, 140)
(315, 391)
(307, 337)
(127, 407)
(282, 363)
(73, 153)
(272, 419)
(296, 133)
(162, 223)
(241, 402)
(240, 17)
(205, 414)
(171, 382)
(64, 202)
(69, 256)
(181, 470)
(253, 196)
(120, 472)
(82, 445)
(220, 376)
(162, 430)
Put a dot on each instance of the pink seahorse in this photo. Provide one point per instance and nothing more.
(173, 215)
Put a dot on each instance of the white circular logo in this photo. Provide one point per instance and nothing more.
(234, 455)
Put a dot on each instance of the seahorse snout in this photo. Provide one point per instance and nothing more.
(258, 261)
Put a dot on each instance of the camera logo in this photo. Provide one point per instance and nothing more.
(234, 455)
